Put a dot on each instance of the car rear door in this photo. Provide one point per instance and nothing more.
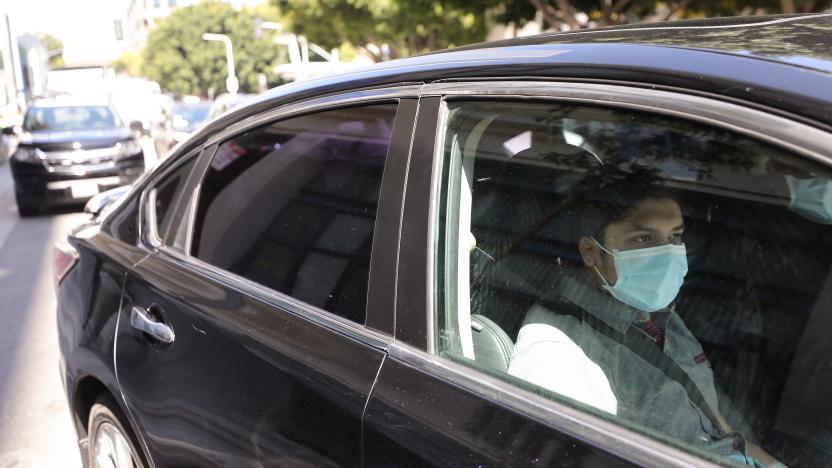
(441, 400)
(250, 339)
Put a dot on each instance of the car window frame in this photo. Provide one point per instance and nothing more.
(137, 192)
(418, 347)
(148, 235)
(797, 137)
(377, 329)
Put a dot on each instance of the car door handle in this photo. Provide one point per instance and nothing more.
(141, 320)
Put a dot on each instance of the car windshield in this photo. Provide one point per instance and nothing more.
(68, 118)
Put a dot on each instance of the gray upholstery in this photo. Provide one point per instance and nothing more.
(492, 346)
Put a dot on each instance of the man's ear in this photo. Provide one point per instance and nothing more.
(589, 250)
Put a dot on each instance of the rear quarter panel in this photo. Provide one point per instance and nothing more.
(88, 300)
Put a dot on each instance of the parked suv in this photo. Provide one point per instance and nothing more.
(69, 150)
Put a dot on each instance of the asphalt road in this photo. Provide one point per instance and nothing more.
(35, 423)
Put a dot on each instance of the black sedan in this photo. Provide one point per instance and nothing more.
(69, 150)
(597, 248)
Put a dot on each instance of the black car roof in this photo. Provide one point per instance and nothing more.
(801, 40)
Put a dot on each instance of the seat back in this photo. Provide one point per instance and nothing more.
(492, 346)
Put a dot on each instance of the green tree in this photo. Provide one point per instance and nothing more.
(55, 49)
(179, 59)
(557, 13)
(407, 26)
(128, 62)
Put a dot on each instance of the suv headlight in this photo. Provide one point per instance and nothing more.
(29, 154)
(129, 148)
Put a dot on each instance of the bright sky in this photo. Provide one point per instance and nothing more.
(85, 26)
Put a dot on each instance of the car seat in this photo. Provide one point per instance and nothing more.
(492, 345)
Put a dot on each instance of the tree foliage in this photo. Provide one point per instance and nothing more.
(407, 26)
(128, 62)
(563, 14)
(54, 47)
(416, 26)
(182, 62)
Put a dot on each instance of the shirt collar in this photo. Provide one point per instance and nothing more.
(599, 303)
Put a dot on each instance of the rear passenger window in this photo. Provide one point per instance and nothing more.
(292, 205)
(670, 276)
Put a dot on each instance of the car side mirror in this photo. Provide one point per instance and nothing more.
(138, 127)
(10, 131)
(98, 202)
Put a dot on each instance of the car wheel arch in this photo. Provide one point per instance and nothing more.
(89, 389)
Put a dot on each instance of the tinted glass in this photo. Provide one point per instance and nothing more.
(292, 205)
(61, 119)
(668, 275)
(165, 194)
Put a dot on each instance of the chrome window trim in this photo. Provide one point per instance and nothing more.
(147, 231)
(329, 320)
(433, 225)
(152, 233)
(607, 435)
(189, 229)
(343, 99)
(148, 236)
(779, 131)
(208, 152)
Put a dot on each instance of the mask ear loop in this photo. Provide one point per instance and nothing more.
(595, 267)
(606, 283)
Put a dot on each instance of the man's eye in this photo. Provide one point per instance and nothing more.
(676, 238)
(642, 238)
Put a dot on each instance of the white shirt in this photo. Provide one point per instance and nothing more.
(545, 356)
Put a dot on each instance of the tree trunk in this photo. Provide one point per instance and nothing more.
(619, 6)
(411, 44)
(567, 13)
(675, 9)
(549, 14)
(606, 12)
(787, 6)
(431, 38)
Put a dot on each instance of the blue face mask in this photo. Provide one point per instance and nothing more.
(650, 278)
(811, 198)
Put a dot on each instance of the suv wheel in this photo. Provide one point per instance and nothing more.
(110, 444)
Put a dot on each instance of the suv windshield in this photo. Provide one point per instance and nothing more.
(192, 113)
(68, 118)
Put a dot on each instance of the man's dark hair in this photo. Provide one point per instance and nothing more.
(612, 201)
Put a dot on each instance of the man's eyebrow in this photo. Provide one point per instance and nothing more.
(639, 227)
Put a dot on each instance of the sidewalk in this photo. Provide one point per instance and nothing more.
(8, 205)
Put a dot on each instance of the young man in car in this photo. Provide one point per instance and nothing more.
(609, 336)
